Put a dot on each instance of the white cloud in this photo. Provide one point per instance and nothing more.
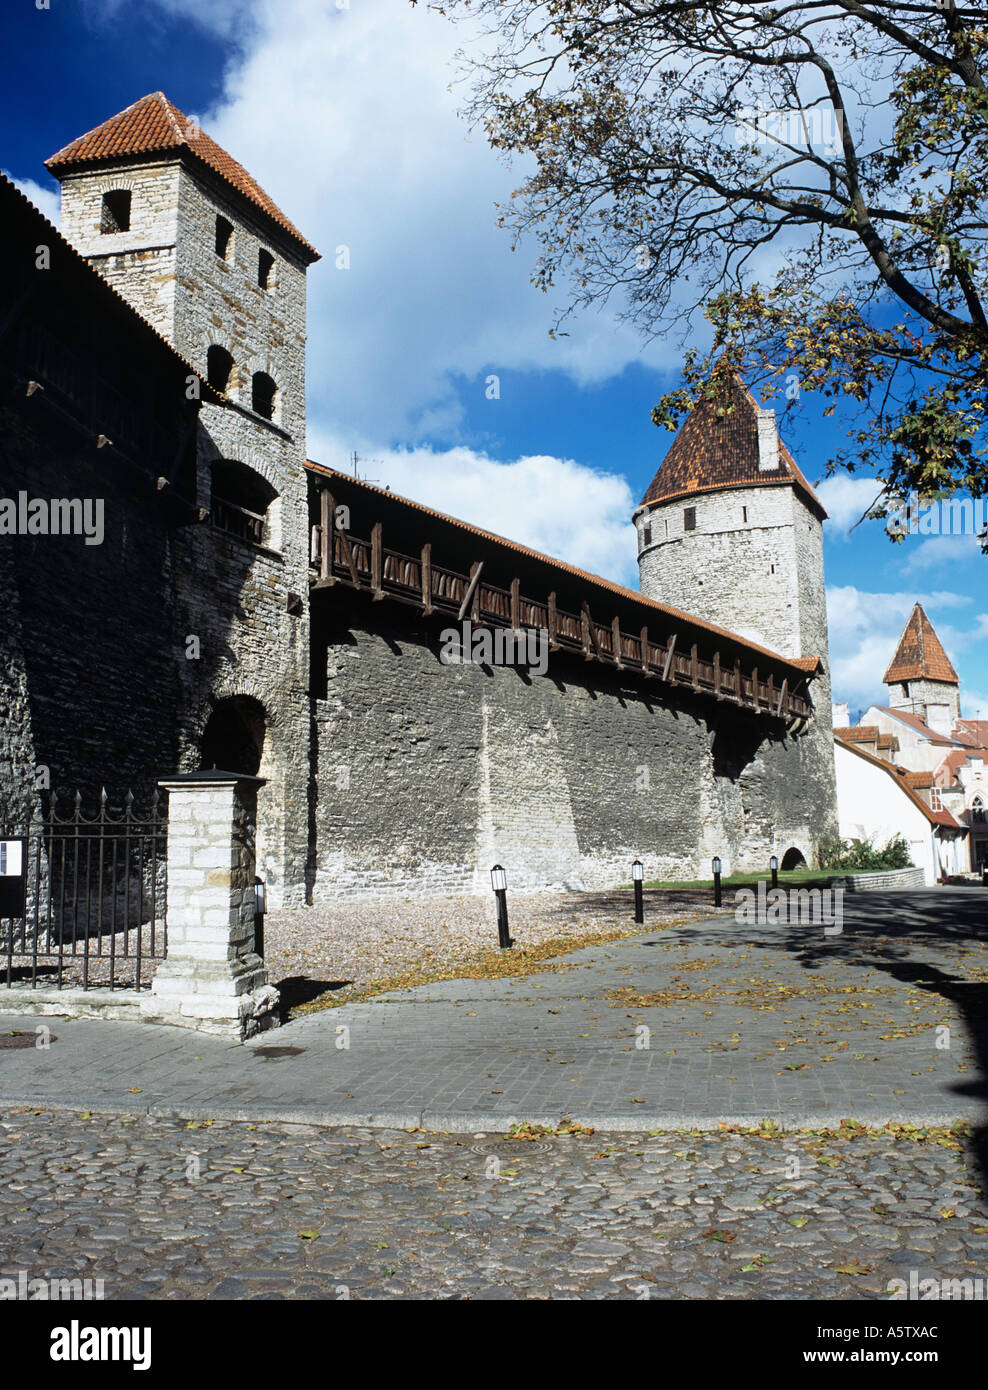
(347, 119)
(940, 552)
(846, 499)
(555, 505)
(45, 199)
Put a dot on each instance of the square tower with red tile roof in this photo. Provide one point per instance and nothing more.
(189, 238)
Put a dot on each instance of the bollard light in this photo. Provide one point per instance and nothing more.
(637, 877)
(260, 907)
(638, 871)
(773, 864)
(715, 865)
(499, 882)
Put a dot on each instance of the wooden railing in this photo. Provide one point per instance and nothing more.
(415, 579)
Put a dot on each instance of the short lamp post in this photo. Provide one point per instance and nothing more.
(773, 864)
(260, 907)
(499, 882)
(716, 868)
(637, 877)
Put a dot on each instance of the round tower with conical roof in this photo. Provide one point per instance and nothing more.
(731, 531)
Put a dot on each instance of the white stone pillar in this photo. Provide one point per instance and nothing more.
(212, 979)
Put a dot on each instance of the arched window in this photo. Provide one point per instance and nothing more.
(115, 213)
(265, 269)
(977, 809)
(219, 367)
(241, 502)
(224, 237)
(263, 393)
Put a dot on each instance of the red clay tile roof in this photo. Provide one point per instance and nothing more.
(943, 818)
(954, 761)
(809, 664)
(888, 741)
(914, 722)
(154, 125)
(973, 733)
(713, 452)
(862, 733)
(918, 779)
(919, 655)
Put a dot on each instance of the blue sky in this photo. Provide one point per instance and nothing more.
(345, 115)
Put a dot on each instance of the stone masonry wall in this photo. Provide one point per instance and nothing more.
(427, 774)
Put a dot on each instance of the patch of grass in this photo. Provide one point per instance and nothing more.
(796, 878)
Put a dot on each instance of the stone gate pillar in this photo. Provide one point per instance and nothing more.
(211, 978)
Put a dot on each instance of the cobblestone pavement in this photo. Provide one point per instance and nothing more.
(685, 1025)
(159, 1209)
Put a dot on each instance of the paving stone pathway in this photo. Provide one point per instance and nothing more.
(683, 1026)
(158, 1209)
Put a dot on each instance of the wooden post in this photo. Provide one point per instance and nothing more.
(348, 552)
(738, 681)
(694, 668)
(326, 514)
(616, 643)
(427, 578)
(471, 592)
(377, 561)
(585, 631)
(717, 675)
(670, 653)
(553, 623)
(754, 688)
(644, 642)
(516, 605)
(771, 690)
(782, 697)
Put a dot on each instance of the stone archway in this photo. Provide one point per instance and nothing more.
(792, 859)
(233, 739)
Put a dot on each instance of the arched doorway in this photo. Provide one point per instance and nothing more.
(233, 739)
(792, 859)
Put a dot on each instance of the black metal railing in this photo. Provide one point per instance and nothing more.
(83, 899)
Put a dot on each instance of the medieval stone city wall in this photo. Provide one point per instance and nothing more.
(427, 774)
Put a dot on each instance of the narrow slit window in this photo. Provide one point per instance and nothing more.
(115, 214)
(689, 519)
(646, 535)
(265, 269)
(744, 513)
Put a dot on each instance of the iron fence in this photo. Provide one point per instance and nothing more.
(83, 902)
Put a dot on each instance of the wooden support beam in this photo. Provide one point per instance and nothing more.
(670, 653)
(616, 643)
(782, 697)
(314, 534)
(644, 642)
(771, 690)
(590, 633)
(754, 688)
(553, 623)
(516, 605)
(377, 562)
(717, 675)
(426, 564)
(585, 631)
(471, 590)
(738, 681)
(694, 668)
(326, 513)
(348, 553)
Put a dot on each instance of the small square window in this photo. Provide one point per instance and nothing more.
(115, 214)
(265, 269)
(689, 519)
(224, 237)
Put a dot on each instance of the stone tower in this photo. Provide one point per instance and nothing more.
(187, 236)
(730, 531)
(920, 678)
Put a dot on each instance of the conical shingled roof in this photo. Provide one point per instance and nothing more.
(919, 655)
(155, 125)
(712, 452)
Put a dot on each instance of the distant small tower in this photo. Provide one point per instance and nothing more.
(920, 678)
(731, 531)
